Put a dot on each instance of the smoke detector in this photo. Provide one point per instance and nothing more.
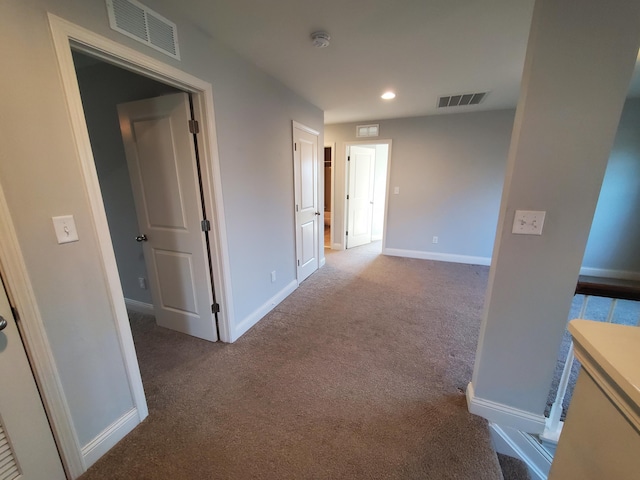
(320, 39)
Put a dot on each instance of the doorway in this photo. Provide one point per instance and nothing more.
(148, 168)
(366, 186)
(67, 36)
(328, 194)
(306, 199)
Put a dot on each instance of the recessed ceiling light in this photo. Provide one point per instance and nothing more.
(388, 95)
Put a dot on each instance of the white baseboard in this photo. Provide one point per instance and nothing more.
(441, 257)
(115, 432)
(139, 307)
(242, 327)
(515, 443)
(337, 246)
(504, 414)
(603, 272)
(323, 261)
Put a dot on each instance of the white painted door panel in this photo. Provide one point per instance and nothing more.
(164, 176)
(361, 182)
(27, 448)
(305, 156)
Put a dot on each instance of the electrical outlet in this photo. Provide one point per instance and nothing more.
(396, 190)
(273, 276)
(142, 283)
(434, 240)
(528, 222)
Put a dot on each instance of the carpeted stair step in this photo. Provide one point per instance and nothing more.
(513, 468)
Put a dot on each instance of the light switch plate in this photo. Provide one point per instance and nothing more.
(528, 222)
(65, 228)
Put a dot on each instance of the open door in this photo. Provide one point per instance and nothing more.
(27, 448)
(305, 170)
(164, 171)
(361, 162)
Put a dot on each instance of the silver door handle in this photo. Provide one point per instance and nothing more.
(141, 238)
(3, 323)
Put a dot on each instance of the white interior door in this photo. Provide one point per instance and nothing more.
(361, 161)
(305, 168)
(27, 448)
(166, 187)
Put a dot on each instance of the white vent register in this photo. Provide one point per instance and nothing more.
(139, 22)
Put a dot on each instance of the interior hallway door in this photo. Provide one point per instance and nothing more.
(164, 171)
(361, 162)
(27, 448)
(307, 212)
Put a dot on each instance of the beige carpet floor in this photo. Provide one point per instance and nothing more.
(359, 374)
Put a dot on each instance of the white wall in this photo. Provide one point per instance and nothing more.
(103, 87)
(41, 177)
(450, 171)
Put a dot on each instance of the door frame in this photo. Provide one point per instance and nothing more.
(345, 208)
(66, 35)
(332, 146)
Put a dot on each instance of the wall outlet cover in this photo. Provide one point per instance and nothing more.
(528, 222)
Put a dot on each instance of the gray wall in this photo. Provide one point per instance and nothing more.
(103, 87)
(41, 177)
(614, 240)
(450, 170)
(557, 161)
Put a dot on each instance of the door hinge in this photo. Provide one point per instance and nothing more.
(295, 147)
(349, 158)
(298, 262)
(347, 233)
(205, 225)
(194, 126)
(296, 207)
(347, 197)
(14, 311)
(215, 308)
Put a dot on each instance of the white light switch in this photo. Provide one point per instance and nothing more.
(396, 190)
(528, 222)
(65, 228)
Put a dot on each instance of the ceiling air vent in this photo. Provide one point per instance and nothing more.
(461, 100)
(139, 22)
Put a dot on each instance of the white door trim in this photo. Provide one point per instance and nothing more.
(304, 128)
(20, 290)
(373, 141)
(65, 34)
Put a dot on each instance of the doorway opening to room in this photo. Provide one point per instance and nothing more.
(144, 144)
(366, 172)
(329, 151)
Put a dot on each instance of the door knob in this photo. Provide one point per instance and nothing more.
(3, 323)
(317, 213)
(141, 238)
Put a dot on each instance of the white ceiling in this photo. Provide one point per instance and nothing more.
(421, 49)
